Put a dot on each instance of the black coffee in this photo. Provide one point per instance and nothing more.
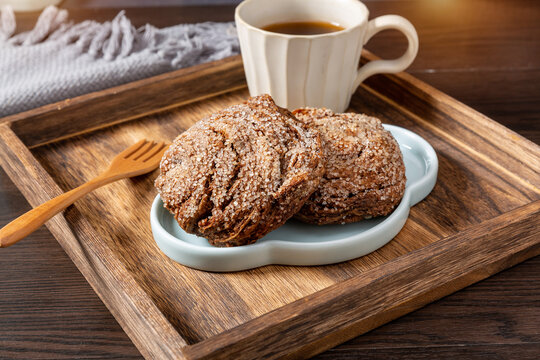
(303, 27)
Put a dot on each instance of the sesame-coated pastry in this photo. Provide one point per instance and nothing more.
(240, 173)
(365, 174)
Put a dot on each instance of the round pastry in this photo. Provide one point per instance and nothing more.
(365, 174)
(240, 173)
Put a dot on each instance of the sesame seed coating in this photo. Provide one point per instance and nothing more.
(365, 173)
(240, 173)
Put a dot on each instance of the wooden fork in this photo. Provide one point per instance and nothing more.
(138, 159)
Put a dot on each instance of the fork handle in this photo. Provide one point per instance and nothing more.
(30, 221)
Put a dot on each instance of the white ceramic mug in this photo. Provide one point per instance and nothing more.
(313, 70)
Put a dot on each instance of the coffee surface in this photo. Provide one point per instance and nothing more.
(303, 27)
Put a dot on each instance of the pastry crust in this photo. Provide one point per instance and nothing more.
(365, 173)
(240, 173)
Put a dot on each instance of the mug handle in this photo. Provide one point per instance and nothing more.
(389, 66)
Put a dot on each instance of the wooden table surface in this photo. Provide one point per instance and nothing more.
(485, 53)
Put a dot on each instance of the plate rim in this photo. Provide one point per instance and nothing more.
(268, 252)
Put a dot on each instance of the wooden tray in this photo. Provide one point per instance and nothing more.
(482, 217)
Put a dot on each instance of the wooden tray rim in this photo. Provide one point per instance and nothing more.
(267, 334)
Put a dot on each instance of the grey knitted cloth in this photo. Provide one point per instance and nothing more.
(59, 60)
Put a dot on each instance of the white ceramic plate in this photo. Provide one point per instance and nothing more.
(296, 243)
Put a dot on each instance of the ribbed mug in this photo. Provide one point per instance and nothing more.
(313, 70)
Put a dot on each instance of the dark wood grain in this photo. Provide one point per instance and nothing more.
(456, 244)
(503, 87)
(498, 313)
(384, 293)
(481, 352)
(129, 304)
(47, 308)
(509, 96)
